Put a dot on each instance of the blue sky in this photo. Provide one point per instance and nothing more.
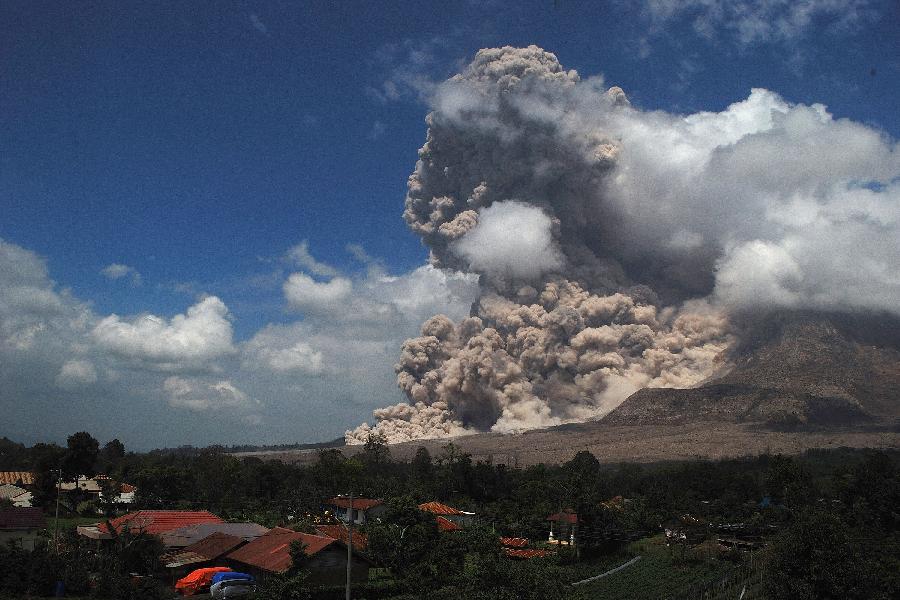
(196, 144)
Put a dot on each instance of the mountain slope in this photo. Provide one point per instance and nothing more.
(791, 369)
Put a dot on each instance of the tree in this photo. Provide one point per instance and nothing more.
(375, 451)
(81, 455)
(111, 455)
(421, 463)
(46, 458)
(815, 559)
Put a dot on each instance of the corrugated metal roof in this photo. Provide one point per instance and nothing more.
(22, 518)
(15, 477)
(185, 536)
(339, 532)
(9, 491)
(173, 560)
(160, 521)
(437, 508)
(358, 503)
(209, 548)
(514, 542)
(271, 552)
(215, 545)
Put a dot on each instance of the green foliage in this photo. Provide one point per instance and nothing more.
(816, 559)
(81, 455)
(859, 489)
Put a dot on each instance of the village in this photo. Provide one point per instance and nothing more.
(207, 524)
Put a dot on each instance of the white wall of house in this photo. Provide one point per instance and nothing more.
(360, 517)
(24, 537)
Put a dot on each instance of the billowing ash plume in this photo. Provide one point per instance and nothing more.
(610, 241)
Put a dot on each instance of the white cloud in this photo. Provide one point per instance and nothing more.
(300, 256)
(300, 357)
(306, 294)
(377, 130)
(190, 341)
(353, 335)
(118, 271)
(198, 395)
(510, 239)
(411, 69)
(258, 25)
(76, 373)
(751, 22)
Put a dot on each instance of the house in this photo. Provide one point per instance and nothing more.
(191, 534)
(517, 548)
(21, 526)
(445, 524)
(18, 478)
(444, 514)
(326, 557)
(563, 526)
(154, 522)
(83, 483)
(93, 486)
(18, 496)
(203, 553)
(362, 510)
(339, 532)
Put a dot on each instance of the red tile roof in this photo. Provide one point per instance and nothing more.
(514, 542)
(22, 518)
(358, 503)
(339, 532)
(271, 552)
(525, 554)
(566, 516)
(14, 477)
(436, 508)
(160, 521)
(445, 524)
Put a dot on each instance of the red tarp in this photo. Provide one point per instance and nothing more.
(197, 580)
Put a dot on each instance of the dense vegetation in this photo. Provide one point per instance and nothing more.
(831, 518)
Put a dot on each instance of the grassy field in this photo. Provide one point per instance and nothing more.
(70, 522)
(657, 575)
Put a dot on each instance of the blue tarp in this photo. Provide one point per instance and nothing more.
(231, 575)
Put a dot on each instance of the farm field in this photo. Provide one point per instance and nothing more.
(658, 574)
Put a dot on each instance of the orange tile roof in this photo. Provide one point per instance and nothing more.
(525, 553)
(160, 521)
(445, 524)
(14, 477)
(566, 516)
(436, 508)
(358, 503)
(339, 532)
(514, 542)
(271, 552)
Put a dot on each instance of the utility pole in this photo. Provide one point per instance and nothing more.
(349, 546)
(56, 520)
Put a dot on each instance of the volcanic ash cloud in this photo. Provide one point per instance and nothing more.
(610, 242)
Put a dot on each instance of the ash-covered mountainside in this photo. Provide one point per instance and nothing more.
(791, 369)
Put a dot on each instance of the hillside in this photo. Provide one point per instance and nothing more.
(791, 370)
